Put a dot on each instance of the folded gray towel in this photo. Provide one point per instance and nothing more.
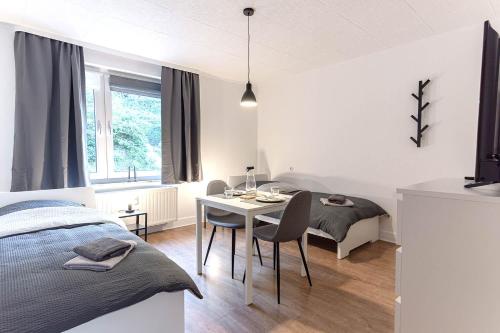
(102, 249)
(337, 198)
(347, 203)
(80, 262)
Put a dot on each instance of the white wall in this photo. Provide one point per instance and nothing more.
(7, 89)
(228, 132)
(345, 128)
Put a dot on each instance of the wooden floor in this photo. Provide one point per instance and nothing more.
(355, 294)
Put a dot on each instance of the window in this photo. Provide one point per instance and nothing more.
(123, 127)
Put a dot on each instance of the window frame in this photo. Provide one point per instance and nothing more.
(103, 109)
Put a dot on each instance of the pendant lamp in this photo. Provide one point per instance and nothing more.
(248, 99)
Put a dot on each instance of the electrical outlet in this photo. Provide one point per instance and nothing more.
(292, 169)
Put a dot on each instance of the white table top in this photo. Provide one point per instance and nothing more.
(241, 206)
(453, 188)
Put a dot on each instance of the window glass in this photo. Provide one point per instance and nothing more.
(123, 126)
(91, 131)
(136, 127)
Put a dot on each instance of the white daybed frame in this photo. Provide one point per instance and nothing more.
(361, 232)
(163, 311)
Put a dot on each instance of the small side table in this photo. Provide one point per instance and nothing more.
(138, 227)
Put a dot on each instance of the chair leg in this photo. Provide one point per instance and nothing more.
(244, 275)
(274, 256)
(258, 249)
(209, 245)
(233, 243)
(278, 269)
(304, 261)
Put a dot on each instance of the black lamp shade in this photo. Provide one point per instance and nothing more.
(248, 99)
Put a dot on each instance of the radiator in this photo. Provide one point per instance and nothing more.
(159, 203)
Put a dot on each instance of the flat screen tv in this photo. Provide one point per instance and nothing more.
(487, 151)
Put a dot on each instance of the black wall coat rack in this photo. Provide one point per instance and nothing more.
(421, 108)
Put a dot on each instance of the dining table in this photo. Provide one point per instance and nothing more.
(249, 208)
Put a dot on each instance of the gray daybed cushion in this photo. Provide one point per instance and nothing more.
(336, 221)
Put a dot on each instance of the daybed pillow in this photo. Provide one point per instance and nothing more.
(243, 186)
(285, 188)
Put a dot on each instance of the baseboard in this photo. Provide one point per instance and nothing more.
(171, 225)
(182, 222)
(388, 236)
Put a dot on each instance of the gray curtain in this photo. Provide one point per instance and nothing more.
(49, 143)
(180, 122)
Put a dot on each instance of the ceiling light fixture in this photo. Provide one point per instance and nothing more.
(248, 99)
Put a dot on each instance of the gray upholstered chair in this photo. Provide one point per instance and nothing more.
(221, 218)
(293, 223)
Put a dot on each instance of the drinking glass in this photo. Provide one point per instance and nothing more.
(275, 191)
(228, 192)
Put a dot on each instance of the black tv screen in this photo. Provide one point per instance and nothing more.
(487, 153)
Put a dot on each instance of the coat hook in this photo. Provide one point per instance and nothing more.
(420, 108)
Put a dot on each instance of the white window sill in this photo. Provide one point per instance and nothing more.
(128, 186)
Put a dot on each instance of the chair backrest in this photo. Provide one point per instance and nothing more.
(295, 219)
(216, 187)
(234, 181)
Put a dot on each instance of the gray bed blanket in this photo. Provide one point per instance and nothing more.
(38, 295)
(336, 221)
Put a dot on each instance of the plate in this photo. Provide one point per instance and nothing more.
(269, 199)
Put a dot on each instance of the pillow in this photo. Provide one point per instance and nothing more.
(285, 188)
(23, 205)
(243, 186)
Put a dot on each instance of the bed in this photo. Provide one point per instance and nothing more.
(349, 227)
(145, 292)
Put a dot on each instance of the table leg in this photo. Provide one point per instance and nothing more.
(249, 258)
(137, 225)
(204, 217)
(199, 230)
(304, 248)
(146, 227)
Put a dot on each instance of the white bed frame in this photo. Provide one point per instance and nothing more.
(160, 313)
(363, 231)
(164, 312)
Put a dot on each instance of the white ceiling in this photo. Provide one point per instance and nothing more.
(210, 35)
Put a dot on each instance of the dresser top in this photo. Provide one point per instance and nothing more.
(453, 188)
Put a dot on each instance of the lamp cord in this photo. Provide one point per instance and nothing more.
(248, 49)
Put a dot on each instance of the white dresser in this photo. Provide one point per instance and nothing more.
(448, 266)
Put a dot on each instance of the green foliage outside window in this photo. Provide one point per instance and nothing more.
(91, 131)
(136, 132)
